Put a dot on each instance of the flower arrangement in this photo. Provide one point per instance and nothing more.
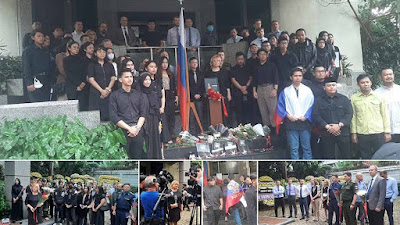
(36, 174)
(216, 96)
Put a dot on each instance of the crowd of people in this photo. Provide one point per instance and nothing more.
(282, 78)
(350, 201)
(215, 203)
(73, 203)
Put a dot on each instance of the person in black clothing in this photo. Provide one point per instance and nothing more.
(338, 57)
(246, 35)
(292, 41)
(223, 82)
(168, 81)
(27, 40)
(128, 109)
(324, 57)
(102, 33)
(197, 91)
(70, 204)
(59, 202)
(175, 206)
(210, 37)
(56, 38)
(83, 201)
(251, 199)
(74, 68)
(36, 66)
(152, 129)
(99, 200)
(16, 204)
(33, 206)
(152, 37)
(102, 78)
(333, 113)
(253, 61)
(284, 60)
(241, 90)
(328, 46)
(265, 88)
(306, 52)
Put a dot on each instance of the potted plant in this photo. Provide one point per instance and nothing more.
(11, 75)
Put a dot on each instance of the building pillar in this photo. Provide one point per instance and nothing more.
(16, 169)
(24, 20)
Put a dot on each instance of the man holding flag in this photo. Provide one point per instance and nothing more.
(234, 194)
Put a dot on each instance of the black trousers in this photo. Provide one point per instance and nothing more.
(374, 217)
(279, 202)
(242, 108)
(369, 144)
(81, 96)
(316, 146)
(292, 205)
(170, 112)
(333, 208)
(70, 215)
(395, 138)
(329, 144)
(193, 126)
(361, 212)
(40, 95)
(213, 216)
(134, 146)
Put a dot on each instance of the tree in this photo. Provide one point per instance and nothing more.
(380, 36)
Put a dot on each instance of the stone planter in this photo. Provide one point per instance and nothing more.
(15, 87)
(3, 99)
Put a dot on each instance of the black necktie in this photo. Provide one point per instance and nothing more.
(190, 37)
(301, 191)
(297, 92)
(126, 35)
(234, 40)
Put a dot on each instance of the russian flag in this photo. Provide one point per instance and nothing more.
(205, 175)
(234, 192)
(182, 74)
(280, 112)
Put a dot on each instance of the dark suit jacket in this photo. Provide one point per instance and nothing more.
(196, 88)
(377, 194)
(118, 38)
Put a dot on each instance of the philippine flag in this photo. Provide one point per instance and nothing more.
(182, 73)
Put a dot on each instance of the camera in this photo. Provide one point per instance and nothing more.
(163, 178)
(193, 173)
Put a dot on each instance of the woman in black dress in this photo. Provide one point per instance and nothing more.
(151, 126)
(171, 99)
(324, 58)
(102, 78)
(83, 203)
(156, 84)
(175, 206)
(74, 68)
(99, 201)
(325, 193)
(223, 82)
(31, 201)
(16, 207)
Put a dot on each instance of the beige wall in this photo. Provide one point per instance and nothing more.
(337, 19)
(9, 26)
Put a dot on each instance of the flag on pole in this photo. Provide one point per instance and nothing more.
(234, 192)
(182, 73)
(205, 175)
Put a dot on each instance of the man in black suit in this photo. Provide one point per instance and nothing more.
(197, 94)
(125, 35)
(375, 197)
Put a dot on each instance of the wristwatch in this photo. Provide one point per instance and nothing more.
(341, 125)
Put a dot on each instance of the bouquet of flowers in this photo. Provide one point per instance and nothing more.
(216, 96)
(48, 190)
(45, 197)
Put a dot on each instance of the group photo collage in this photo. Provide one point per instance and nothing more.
(199, 112)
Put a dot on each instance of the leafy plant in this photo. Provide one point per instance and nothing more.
(10, 68)
(347, 72)
(4, 207)
(59, 138)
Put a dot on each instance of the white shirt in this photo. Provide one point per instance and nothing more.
(373, 181)
(392, 98)
(304, 192)
(172, 36)
(232, 40)
(125, 29)
(195, 36)
(77, 37)
(278, 191)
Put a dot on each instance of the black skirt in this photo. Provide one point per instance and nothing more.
(16, 210)
(152, 137)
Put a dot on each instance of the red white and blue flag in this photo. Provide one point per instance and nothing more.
(205, 175)
(182, 73)
(234, 193)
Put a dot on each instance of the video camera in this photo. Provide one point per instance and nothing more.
(163, 178)
(193, 173)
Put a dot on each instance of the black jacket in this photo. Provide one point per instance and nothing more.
(36, 63)
(306, 54)
(327, 110)
(196, 88)
(75, 69)
(59, 196)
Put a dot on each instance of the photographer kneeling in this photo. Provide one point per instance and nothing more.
(148, 200)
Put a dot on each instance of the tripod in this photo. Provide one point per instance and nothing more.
(196, 203)
(195, 213)
(159, 200)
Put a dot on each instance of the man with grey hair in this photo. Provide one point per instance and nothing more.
(148, 200)
(375, 197)
(360, 186)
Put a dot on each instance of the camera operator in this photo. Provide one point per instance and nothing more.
(198, 177)
(186, 196)
(175, 206)
(122, 209)
(148, 200)
(213, 201)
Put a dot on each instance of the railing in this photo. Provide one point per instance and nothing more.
(202, 53)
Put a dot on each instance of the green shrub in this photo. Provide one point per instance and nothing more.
(10, 68)
(59, 138)
(4, 207)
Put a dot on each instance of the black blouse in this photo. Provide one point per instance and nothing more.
(32, 199)
(101, 73)
(15, 190)
(75, 69)
(223, 80)
(175, 197)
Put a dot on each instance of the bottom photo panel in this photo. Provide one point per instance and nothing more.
(329, 192)
(69, 192)
(230, 192)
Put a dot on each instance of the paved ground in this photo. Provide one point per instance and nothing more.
(267, 216)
